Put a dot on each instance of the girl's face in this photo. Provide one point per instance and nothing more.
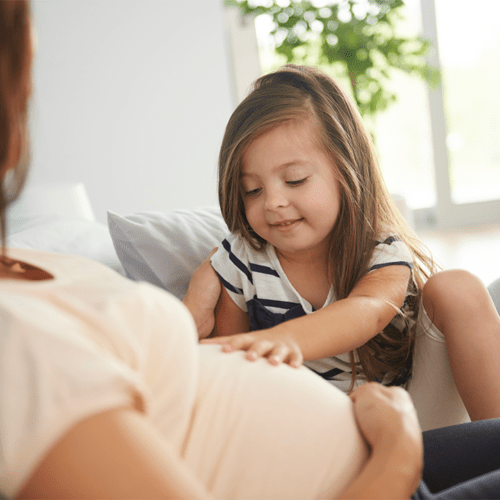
(291, 193)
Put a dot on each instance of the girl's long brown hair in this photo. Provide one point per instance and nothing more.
(15, 89)
(366, 208)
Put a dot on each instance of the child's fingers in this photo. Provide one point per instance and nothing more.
(286, 353)
(233, 342)
(278, 354)
(295, 359)
(241, 342)
(275, 351)
(259, 349)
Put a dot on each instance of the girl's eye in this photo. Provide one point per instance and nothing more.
(253, 192)
(297, 183)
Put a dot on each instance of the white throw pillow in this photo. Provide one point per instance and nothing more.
(165, 248)
(69, 236)
(494, 289)
(49, 202)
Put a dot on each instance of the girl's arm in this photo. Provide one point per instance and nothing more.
(229, 318)
(337, 328)
(202, 296)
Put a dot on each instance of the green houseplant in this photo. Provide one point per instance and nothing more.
(356, 39)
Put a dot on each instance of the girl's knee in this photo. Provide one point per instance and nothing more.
(450, 282)
(453, 292)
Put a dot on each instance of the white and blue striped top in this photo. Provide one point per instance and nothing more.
(257, 284)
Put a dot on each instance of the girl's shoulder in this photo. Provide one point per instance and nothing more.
(387, 238)
(236, 249)
(390, 249)
(236, 242)
(241, 268)
(239, 265)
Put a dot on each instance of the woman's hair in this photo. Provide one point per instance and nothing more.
(15, 89)
(366, 208)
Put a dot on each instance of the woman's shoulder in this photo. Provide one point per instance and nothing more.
(60, 265)
(76, 354)
(77, 284)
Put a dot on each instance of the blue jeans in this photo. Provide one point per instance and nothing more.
(462, 462)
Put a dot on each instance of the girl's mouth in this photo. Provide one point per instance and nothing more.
(287, 225)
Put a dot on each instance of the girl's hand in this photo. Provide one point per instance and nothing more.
(202, 296)
(263, 344)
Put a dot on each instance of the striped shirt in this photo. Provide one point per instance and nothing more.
(257, 284)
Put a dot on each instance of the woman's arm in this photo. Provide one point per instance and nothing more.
(117, 454)
(388, 421)
(114, 454)
(337, 328)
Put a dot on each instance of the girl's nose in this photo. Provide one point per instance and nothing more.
(275, 198)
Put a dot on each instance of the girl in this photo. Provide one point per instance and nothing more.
(314, 229)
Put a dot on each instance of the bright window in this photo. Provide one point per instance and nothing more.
(441, 149)
(469, 45)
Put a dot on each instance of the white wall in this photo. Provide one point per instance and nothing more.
(131, 98)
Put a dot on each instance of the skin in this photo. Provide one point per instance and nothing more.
(119, 453)
(395, 466)
(202, 297)
(114, 454)
(125, 457)
(292, 200)
(292, 197)
(459, 304)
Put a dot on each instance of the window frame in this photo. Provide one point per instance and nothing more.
(445, 214)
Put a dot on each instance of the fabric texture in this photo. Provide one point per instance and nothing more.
(494, 289)
(86, 238)
(461, 462)
(432, 386)
(165, 248)
(91, 340)
(258, 285)
(87, 341)
(58, 217)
